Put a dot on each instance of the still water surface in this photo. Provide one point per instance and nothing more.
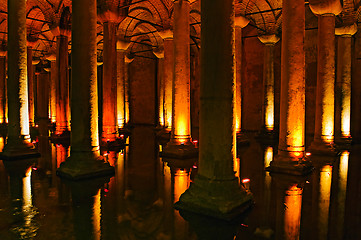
(137, 202)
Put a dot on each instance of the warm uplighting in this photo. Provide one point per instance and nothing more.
(246, 182)
(268, 156)
(293, 204)
(345, 120)
(308, 154)
(327, 128)
(1, 143)
(236, 165)
(269, 110)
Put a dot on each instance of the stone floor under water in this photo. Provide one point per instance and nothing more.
(137, 202)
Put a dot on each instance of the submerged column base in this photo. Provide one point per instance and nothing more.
(223, 199)
(288, 165)
(19, 149)
(322, 148)
(179, 150)
(242, 138)
(78, 168)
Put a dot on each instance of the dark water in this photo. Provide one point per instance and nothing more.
(137, 203)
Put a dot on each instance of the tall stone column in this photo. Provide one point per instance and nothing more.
(53, 90)
(268, 110)
(216, 190)
(168, 73)
(122, 46)
(84, 139)
(180, 144)
(159, 53)
(109, 131)
(42, 103)
(325, 95)
(3, 88)
(343, 84)
(18, 143)
(30, 74)
(355, 91)
(292, 108)
(240, 22)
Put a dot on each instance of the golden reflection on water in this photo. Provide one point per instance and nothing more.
(324, 200)
(97, 216)
(293, 203)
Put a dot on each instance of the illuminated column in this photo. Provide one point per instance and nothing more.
(18, 143)
(62, 87)
(159, 53)
(126, 87)
(84, 140)
(216, 190)
(53, 90)
(122, 46)
(180, 144)
(356, 90)
(292, 101)
(2, 88)
(240, 22)
(109, 82)
(168, 72)
(269, 42)
(343, 83)
(30, 74)
(325, 101)
(42, 103)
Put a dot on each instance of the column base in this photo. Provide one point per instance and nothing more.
(163, 136)
(290, 166)
(179, 151)
(267, 137)
(78, 168)
(242, 139)
(322, 148)
(20, 149)
(59, 137)
(118, 143)
(343, 142)
(222, 199)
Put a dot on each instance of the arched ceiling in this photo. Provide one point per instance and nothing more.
(139, 21)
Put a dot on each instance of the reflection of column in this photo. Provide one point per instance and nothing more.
(84, 107)
(2, 88)
(121, 80)
(292, 109)
(269, 42)
(18, 128)
(109, 82)
(216, 190)
(325, 102)
(343, 83)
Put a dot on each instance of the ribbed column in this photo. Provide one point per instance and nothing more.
(2, 89)
(216, 190)
(109, 82)
(180, 144)
(325, 92)
(122, 46)
(343, 84)
(18, 128)
(268, 110)
(292, 100)
(62, 87)
(84, 96)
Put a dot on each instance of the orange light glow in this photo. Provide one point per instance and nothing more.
(308, 154)
(293, 203)
(181, 183)
(345, 120)
(324, 200)
(97, 216)
(236, 164)
(269, 109)
(246, 183)
(268, 156)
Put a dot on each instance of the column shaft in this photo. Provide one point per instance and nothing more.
(160, 91)
(238, 63)
(268, 87)
(2, 89)
(30, 84)
(42, 101)
(62, 86)
(292, 108)
(109, 82)
(53, 91)
(181, 81)
(121, 88)
(168, 72)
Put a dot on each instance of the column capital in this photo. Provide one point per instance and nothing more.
(166, 34)
(269, 39)
(122, 45)
(128, 59)
(50, 57)
(346, 30)
(158, 52)
(322, 7)
(240, 21)
(36, 62)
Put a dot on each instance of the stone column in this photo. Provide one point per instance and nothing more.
(122, 46)
(343, 84)
(168, 72)
(180, 144)
(268, 110)
(292, 108)
(2, 88)
(240, 22)
(30, 73)
(62, 88)
(84, 139)
(42, 103)
(53, 90)
(126, 88)
(18, 143)
(325, 101)
(356, 91)
(159, 53)
(216, 190)
(109, 118)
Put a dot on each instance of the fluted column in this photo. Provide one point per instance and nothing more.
(84, 138)
(325, 95)
(122, 46)
(18, 143)
(3, 88)
(268, 109)
(216, 190)
(109, 82)
(292, 108)
(240, 22)
(343, 84)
